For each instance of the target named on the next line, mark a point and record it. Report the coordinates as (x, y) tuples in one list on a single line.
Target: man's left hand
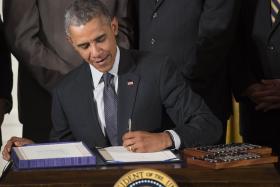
[(142, 142), (14, 141)]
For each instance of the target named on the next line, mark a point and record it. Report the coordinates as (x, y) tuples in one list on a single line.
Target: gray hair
[(81, 12)]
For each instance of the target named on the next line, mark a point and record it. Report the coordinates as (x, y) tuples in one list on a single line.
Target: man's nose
[(95, 50)]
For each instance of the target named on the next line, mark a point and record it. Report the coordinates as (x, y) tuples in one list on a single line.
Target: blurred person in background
[(198, 36), (6, 78), (257, 72)]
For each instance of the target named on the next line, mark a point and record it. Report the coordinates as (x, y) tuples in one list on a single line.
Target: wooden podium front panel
[(253, 176)]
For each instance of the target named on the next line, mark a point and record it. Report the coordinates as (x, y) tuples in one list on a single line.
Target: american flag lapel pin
[(130, 83)]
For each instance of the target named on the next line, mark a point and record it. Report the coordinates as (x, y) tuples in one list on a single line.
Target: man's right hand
[(14, 141), (145, 142)]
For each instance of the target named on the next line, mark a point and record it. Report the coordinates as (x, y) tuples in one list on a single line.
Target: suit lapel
[(259, 15), (127, 91), (158, 3), (264, 7), (85, 91), (276, 23)]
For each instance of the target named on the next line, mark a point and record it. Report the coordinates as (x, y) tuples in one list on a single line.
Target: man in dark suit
[(143, 89), (35, 33), (257, 73), (6, 78), (197, 35)]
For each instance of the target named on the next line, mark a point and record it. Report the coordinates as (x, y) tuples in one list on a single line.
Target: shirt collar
[(96, 75)]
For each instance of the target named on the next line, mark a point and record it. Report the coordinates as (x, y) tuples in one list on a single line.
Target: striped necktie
[(275, 6), (110, 108)]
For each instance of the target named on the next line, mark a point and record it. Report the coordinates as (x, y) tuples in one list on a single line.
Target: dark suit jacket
[(197, 35), (35, 33), (259, 57), (6, 75), (157, 85)]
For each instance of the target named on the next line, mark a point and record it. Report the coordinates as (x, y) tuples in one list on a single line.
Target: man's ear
[(115, 26)]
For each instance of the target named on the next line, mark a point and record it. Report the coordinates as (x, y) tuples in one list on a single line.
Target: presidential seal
[(145, 177)]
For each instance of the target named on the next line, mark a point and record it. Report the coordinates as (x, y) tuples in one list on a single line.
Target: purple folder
[(52, 155)]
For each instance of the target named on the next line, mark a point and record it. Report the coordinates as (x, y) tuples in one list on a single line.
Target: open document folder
[(117, 154), (52, 155)]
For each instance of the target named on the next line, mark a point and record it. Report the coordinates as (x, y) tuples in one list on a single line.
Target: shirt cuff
[(176, 138)]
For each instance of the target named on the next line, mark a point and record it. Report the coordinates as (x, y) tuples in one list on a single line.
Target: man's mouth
[(102, 60)]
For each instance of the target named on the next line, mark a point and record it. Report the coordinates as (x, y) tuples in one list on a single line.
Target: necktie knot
[(107, 78)]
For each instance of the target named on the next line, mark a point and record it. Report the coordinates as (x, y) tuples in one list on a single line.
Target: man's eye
[(100, 39), (84, 46)]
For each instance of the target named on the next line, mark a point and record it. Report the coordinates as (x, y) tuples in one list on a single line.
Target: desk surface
[(254, 176)]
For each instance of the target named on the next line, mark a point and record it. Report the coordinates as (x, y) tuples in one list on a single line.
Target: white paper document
[(47, 151), (121, 154)]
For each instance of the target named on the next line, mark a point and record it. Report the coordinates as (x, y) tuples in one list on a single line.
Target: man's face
[(95, 42)]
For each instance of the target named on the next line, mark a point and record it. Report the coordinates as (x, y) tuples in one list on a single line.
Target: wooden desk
[(256, 176)]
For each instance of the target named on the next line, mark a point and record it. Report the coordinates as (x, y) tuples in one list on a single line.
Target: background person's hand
[(268, 98), (252, 91)]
